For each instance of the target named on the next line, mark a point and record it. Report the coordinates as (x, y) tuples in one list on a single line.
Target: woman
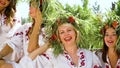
[(9, 24), (65, 51), (29, 34), (110, 53)]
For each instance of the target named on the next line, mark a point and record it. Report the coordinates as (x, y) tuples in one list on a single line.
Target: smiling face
[(110, 37), (67, 34), (4, 4)]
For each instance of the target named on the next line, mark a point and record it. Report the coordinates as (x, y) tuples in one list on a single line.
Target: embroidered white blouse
[(6, 34), (106, 65), (87, 59), (47, 60)]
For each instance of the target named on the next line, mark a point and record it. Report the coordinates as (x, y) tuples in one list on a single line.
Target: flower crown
[(113, 24), (53, 38)]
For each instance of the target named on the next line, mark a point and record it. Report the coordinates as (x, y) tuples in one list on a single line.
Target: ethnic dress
[(6, 36)]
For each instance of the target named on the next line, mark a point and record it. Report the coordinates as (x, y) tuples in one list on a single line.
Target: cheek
[(32, 10), (74, 35), (32, 13), (115, 38), (7, 3), (105, 39)]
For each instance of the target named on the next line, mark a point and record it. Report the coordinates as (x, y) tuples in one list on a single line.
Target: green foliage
[(23, 0), (117, 9), (89, 23), (96, 8)]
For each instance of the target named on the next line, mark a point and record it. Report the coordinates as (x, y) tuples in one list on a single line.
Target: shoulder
[(86, 51), (26, 26), (17, 19), (98, 52)]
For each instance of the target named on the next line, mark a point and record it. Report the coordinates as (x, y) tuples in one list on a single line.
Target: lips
[(2, 3), (67, 38), (110, 42)]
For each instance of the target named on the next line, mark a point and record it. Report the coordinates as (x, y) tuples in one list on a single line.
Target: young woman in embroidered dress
[(110, 53), (65, 51), (9, 23)]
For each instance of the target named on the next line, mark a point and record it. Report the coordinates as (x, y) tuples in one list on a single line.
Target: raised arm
[(34, 37)]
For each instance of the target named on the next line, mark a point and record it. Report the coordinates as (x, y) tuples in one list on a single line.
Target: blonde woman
[(65, 51)]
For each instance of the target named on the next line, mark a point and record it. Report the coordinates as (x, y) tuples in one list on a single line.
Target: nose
[(66, 33), (110, 36)]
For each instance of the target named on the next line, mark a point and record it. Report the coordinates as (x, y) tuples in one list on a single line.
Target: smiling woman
[(110, 53)]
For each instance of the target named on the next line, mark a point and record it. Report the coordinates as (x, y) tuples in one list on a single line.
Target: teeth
[(110, 42), (67, 38)]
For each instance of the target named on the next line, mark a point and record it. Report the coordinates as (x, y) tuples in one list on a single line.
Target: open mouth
[(67, 38)]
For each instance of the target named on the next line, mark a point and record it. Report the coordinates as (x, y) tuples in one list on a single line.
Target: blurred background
[(91, 14)]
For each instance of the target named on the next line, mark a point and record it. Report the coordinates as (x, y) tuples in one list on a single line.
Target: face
[(4, 4), (67, 34), (33, 10), (110, 37)]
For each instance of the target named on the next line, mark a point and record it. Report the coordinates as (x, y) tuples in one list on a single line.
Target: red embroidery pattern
[(106, 66), (117, 65), (82, 58), (69, 58), (46, 55), (96, 66)]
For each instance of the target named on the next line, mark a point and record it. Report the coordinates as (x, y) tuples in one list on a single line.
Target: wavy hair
[(10, 11)]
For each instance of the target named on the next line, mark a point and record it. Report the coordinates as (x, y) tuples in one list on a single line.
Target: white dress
[(47, 60), (23, 37), (106, 65), (6, 37)]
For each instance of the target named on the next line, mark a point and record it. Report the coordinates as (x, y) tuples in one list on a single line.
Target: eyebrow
[(108, 32)]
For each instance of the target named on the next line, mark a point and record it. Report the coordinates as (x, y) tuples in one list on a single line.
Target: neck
[(112, 51), (71, 48)]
